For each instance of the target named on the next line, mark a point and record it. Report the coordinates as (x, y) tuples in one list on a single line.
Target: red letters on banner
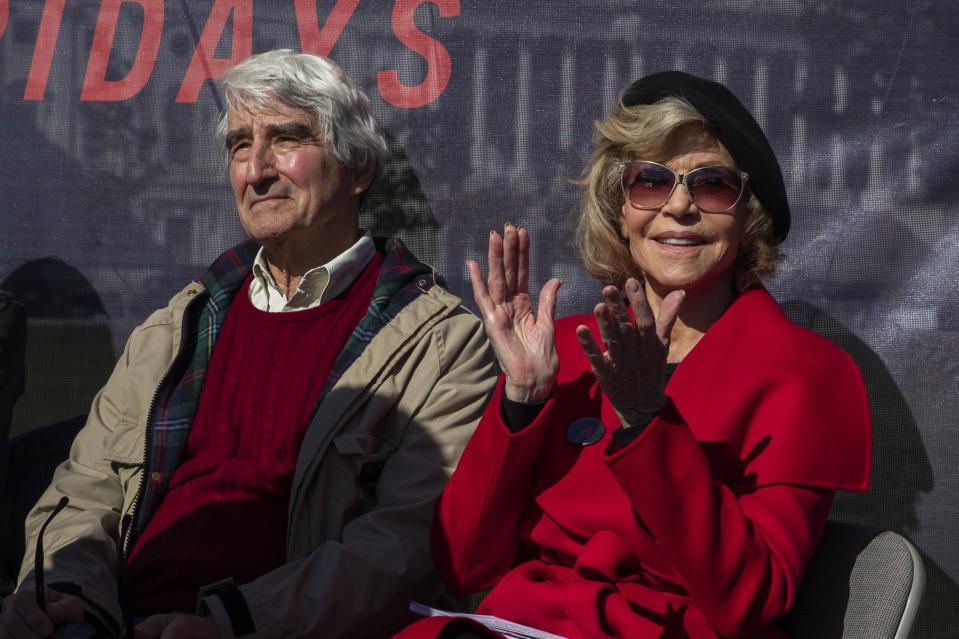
[(321, 42), (437, 57), (4, 14), (204, 66), (95, 85), (43, 53)]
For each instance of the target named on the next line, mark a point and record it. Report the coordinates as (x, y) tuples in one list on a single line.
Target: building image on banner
[(111, 173)]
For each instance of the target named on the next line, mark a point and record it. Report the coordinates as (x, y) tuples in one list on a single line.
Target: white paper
[(502, 626)]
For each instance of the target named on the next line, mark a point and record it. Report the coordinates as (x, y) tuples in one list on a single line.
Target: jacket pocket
[(124, 452), (361, 461)]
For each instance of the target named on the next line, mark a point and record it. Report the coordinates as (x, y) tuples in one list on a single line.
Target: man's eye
[(239, 148)]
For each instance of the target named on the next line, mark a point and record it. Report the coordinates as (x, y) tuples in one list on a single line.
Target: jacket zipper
[(128, 539)]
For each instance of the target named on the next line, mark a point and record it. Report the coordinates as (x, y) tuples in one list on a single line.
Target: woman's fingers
[(668, 312), (594, 353), (645, 320), (609, 330), (480, 292), (511, 257), (521, 336), (627, 342), (617, 309), (508, 263), (497, 273), (617, 328), (507, 288), (547, 302), (522, 267), (630, 369)]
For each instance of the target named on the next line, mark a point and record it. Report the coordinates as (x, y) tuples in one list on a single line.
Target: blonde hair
[(648, 131)]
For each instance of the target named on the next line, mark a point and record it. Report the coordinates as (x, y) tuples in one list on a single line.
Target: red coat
[(701, 527)]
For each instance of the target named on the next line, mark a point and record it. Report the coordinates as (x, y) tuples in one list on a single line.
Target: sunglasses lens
[(646, 184), (715, 188)]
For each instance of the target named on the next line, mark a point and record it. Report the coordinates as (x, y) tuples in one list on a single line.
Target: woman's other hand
[(522, 338), (631, 370)]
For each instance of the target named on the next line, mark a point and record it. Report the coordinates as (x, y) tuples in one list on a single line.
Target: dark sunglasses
[(714, 189)]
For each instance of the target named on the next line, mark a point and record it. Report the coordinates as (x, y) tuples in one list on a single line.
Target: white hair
[(316, 85)]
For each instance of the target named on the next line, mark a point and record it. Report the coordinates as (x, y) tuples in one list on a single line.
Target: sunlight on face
[(679, 246)]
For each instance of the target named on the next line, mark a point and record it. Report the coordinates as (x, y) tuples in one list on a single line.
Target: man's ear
[(363, 178)]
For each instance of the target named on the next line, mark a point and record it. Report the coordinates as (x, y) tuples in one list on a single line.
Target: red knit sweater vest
[(226, 512)]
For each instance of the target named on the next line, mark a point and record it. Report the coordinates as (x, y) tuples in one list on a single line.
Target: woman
[(665, 467)]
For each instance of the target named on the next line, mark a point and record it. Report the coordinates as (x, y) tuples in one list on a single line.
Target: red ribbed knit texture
[(226, 512)]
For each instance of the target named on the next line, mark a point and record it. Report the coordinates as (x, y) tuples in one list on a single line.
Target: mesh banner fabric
[(113, 193)]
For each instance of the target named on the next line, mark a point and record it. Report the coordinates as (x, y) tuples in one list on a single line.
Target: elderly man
[(263, 461)]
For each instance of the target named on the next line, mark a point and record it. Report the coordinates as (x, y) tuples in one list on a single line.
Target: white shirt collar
[(318, 285)]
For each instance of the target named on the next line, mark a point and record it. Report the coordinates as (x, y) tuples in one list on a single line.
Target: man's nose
[(261, 164)]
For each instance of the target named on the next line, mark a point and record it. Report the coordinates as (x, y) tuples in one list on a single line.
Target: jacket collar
[(401, 280)]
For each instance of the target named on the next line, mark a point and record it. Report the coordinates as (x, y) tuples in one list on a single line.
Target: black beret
[(738, 131)]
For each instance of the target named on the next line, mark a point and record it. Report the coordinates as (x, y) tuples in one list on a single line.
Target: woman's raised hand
[(631, 370), (522, 338)]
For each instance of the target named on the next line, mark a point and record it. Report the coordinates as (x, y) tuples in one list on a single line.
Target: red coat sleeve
[(740, 557), (476, 533)]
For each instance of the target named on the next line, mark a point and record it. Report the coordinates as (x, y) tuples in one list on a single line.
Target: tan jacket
[(357, 552)]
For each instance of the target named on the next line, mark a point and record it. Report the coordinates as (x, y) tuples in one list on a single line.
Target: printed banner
[(114, 194)]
